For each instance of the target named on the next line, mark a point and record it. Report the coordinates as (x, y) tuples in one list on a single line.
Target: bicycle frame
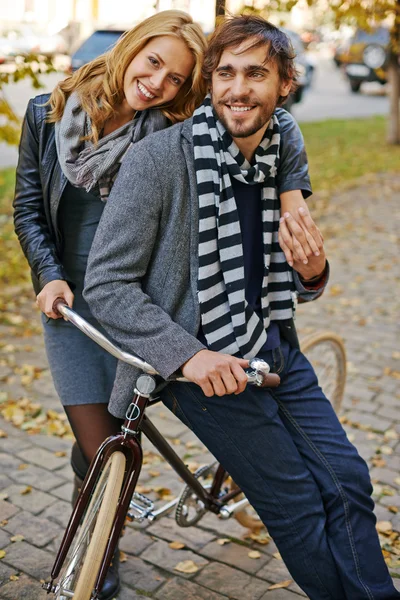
[(128, 442)]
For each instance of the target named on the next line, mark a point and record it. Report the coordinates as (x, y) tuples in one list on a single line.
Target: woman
[(71, 148)]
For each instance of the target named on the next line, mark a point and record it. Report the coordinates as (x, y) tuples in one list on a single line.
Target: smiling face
[(157, 73), (245, 90)]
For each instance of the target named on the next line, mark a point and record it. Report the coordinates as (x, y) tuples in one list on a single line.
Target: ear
[(285, 86)]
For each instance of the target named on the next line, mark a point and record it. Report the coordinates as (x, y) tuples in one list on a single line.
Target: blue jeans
[(289, 454)]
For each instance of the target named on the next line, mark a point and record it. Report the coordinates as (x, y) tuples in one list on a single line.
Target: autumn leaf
[(262, 537), (384, 526), (254, 554), (122, 556), (393, 509), (14, 577), (3, 434), (26, 491), (223, 541), (282, 584), (277, 555), (176, 545), (154, 473), (17, 538), (186, 566), (2, 554), (22, 467), (60, 453)]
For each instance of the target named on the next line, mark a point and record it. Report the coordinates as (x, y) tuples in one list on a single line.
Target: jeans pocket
[(171, 401), (278, 360)]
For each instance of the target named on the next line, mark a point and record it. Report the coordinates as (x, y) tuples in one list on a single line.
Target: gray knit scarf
[(95, 167), (228, 322)]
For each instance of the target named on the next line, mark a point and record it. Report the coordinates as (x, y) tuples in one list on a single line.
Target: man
[(186, 270)]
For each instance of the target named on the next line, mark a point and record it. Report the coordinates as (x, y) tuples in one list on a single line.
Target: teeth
[(144, 91), (240, 108)]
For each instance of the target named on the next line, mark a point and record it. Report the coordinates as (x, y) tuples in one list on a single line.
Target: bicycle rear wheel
[(83, 562), (327, 354)]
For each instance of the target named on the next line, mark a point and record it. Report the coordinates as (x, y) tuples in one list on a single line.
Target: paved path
[(361, 304)]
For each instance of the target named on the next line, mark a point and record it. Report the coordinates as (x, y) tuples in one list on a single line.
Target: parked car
[(367, 57), (99, 42), (304, 66)]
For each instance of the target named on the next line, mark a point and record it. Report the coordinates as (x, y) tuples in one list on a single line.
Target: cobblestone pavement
[(361, 304)]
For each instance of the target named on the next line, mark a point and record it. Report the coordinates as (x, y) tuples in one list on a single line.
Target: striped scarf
[(228, 322)]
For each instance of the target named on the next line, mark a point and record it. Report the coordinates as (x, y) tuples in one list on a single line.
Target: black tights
[(91, 425)]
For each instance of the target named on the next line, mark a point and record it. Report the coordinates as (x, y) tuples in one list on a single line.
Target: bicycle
[(108, 495)]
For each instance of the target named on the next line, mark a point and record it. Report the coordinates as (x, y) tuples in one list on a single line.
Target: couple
[(194, 268)]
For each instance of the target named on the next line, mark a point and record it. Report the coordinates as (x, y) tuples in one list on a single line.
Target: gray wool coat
[(141, 280)]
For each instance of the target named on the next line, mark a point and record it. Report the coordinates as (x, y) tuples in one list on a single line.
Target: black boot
[(112, 583)]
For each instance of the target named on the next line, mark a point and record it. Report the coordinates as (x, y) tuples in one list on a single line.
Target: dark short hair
[(234, 30)]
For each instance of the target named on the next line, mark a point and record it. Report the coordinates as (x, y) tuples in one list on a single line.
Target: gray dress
[(83, 373)]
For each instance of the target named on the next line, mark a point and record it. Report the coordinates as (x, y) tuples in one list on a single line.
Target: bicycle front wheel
[(83, 562), (327, 354)]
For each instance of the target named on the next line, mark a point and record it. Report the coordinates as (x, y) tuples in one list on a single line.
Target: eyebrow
[(247, 69), (161, 61)]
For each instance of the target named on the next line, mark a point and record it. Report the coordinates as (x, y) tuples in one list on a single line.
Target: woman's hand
[(51, 291)]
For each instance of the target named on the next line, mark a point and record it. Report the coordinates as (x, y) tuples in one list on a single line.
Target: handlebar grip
[(58, 301), (271, 380)]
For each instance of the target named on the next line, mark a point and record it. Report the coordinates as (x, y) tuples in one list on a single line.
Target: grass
[(340, 152)]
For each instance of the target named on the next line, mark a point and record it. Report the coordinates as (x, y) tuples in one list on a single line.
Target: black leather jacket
[(38, 190)]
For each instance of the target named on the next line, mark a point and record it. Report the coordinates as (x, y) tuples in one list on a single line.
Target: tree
[(32, 67)]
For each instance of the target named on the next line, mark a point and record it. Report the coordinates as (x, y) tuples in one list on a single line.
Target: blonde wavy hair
[(100, 83)]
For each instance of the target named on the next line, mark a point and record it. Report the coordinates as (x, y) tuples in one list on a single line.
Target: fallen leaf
[(14, 577), (397, 480), (2, 554), (254, 554), (176, 545), (4, 523), (277, 555), (186, 566), (153, 473), (386, 450), (60, 453), (3, 434), (384, 526), (282, 584), (393, 509), (122, 556), (27, 490), (22, 467), (261, 537), (223, 541), (17, 538)]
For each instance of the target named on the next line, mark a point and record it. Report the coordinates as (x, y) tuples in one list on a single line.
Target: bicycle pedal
[(139, 508)]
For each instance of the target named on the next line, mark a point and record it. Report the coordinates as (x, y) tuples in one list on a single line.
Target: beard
[(238, 127)]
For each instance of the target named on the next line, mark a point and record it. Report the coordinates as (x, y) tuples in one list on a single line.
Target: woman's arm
[(30, 219)]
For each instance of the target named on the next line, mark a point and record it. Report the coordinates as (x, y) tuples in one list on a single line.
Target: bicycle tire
[(92, 538), (327, 354)]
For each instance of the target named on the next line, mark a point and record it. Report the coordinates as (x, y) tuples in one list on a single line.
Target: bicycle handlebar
[(260, 375)]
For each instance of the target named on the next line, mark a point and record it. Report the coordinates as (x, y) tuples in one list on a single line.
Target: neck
[(123, 114), (248, 145)]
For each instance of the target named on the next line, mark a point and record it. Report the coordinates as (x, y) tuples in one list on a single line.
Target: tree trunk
[(219, 8), (393, 134)]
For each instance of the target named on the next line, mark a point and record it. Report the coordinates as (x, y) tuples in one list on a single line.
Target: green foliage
[(340, 152), (30, 66)]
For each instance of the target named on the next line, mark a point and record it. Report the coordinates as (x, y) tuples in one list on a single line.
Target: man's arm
[(118, 262)]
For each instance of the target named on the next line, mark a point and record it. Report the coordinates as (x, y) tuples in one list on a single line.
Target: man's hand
[(299, 241), (51, 291), (305, 246), (217, 374)]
